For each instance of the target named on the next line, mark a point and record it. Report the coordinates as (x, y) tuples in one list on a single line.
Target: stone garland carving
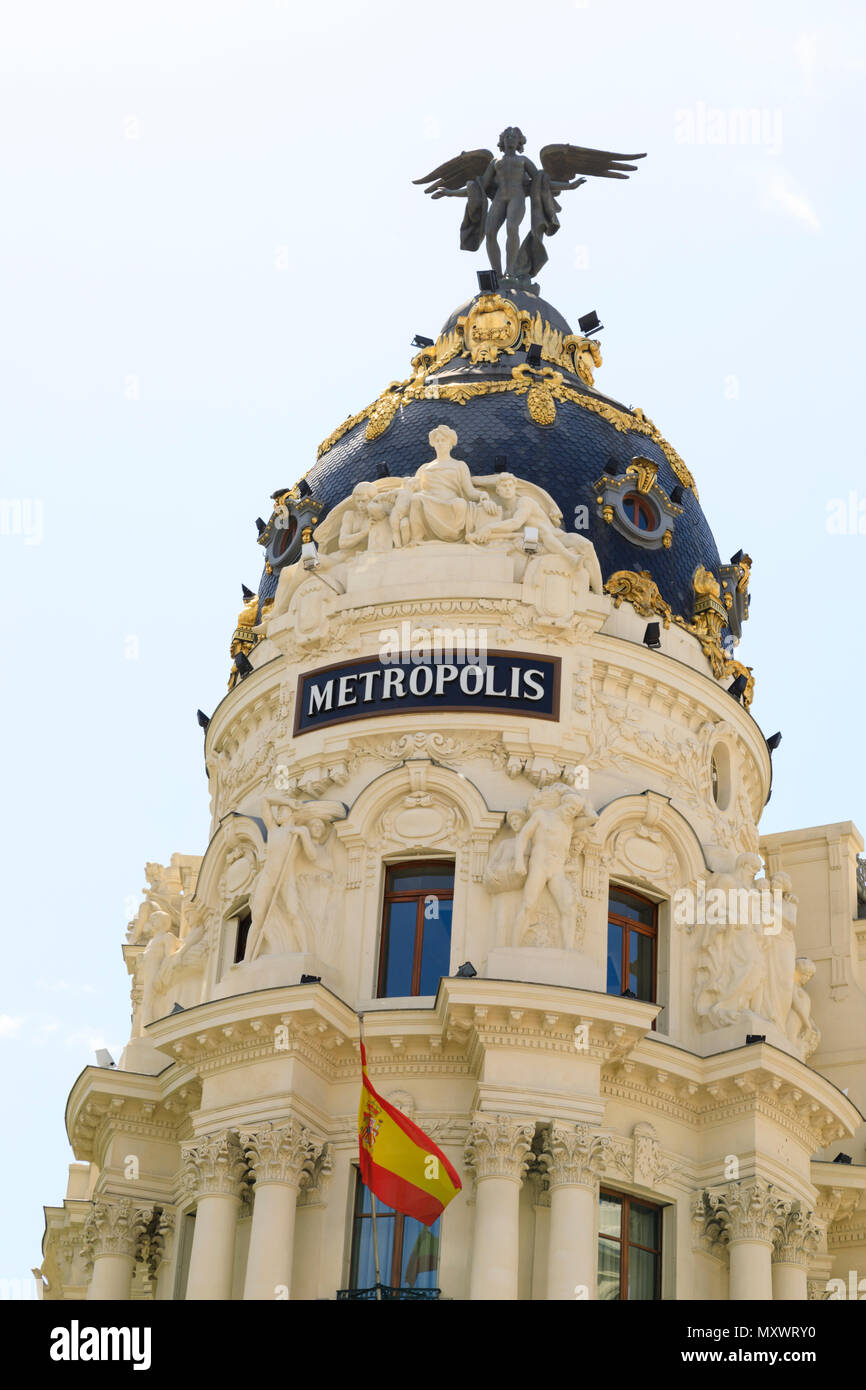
[(294, 899), (213, 1166), (282, 1153), (748, 964), (498, 1146), (573, 1156), (539, 856)]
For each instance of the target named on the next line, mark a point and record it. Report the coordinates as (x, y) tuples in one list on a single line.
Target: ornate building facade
[(486, 772)]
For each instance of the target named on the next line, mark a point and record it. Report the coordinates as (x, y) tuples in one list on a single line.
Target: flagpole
[(372, 1197)]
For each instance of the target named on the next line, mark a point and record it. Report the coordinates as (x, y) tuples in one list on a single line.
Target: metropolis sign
[(503, 683)]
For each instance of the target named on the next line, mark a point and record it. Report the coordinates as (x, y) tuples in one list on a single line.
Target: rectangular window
[(416, 928), (632, 942), (408, 1251), (629, 1247)]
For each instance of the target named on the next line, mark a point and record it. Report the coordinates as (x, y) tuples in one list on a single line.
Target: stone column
[(497, 1151), (111, 1234), (797, 1238), (750, 1213), (278, 1157), (573, 1157), (214, 1170)]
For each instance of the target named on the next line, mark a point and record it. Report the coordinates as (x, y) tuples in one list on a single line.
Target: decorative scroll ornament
[(797, 1237), (214, 1165), (112, 1227), (498, 1146), (641, 591), (573, 1157), (750, 1210), (282, 1153)]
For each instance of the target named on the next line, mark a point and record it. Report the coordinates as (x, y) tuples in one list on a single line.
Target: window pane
[(624, 904), (643, 1225), (363, 1259), (640, 968), (420, 1255), (421, 878), (608, 1269), (436, 953), (609, 1215), (642, 1274), (400, 945), (614, 958)]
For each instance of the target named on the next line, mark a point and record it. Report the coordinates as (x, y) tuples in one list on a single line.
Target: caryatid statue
[(497, 190)]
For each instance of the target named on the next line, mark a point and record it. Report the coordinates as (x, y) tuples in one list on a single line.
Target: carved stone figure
[(537, 856), (781, 951), (508, 182), (518, 512), (501, 875), (366, 525), (292, 906), (800, 1028), (150, 969), (732, 975), (443, 501)]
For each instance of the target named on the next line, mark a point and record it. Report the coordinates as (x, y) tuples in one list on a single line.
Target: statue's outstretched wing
[(565, 162), (454, 173)]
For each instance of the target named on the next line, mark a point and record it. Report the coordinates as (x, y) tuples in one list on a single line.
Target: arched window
[(416, 928), (639, 512), (632, 945), (629, 1247)]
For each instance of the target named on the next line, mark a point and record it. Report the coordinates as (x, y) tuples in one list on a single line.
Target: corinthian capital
[(281, 1153), (498, 1146), (214, 1165), (749, 1210), (112, 1227), (573, 1155), (798, 1236)]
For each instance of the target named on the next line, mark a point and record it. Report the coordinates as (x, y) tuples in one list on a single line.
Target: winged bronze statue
[(497, 190)]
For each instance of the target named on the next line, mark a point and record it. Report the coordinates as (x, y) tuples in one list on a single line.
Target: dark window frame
[(420, 896), (626, 1199), (244, 922), (395, 1250), (634, 506), (628, 924)]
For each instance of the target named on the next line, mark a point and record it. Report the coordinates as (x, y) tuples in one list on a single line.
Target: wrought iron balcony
[(388, 1292)]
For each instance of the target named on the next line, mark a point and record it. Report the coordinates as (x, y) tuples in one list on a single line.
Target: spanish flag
[(399, 1164)]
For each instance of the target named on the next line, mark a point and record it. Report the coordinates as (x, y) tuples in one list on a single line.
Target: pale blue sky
[(161, 375)]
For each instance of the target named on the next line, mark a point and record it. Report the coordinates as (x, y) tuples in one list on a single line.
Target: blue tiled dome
[(567, 457)]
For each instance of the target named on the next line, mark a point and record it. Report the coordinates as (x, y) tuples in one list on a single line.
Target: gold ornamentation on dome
[(243, 637), (607, 512), (644, 472), (400, 394), (640, 590), (668, 539), (493, 325), (540, 387), (383, 413)]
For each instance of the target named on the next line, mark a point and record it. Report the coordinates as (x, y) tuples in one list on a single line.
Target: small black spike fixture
[(203, 719)]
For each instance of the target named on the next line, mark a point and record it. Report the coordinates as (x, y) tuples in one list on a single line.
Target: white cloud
[(780, 195), (9, 1026)]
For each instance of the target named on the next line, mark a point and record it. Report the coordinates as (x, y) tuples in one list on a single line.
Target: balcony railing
[(388, 1292)]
